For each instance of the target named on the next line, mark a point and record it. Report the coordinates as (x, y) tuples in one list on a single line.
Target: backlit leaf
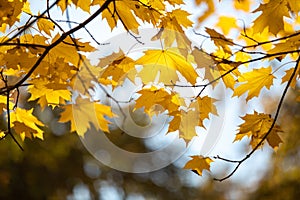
[(198, 163)]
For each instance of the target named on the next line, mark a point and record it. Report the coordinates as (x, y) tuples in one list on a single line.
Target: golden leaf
[(271, 16), (226, 24), (45, 25), (167, 62), (84, 113), (254, 81), (256, 127), (26, 124), (198, 164)]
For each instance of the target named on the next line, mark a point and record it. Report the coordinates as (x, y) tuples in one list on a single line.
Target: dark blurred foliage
[(61, 168)]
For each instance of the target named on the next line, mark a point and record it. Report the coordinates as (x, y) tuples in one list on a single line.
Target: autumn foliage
[(42, 57)]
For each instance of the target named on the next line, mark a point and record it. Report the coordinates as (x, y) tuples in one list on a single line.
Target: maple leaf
[(229, 79), (84, 113), (122, 11), (254, 81), (187, 121), (167, 62), (290, 44), (26, 124), (206, 106), (220, 40), (45, 25), (117, 67), (10, 13), (48, 93), (198, 164), (294, 5), (226, 24), (271, 16), (288, 75), (68, 51), (256, 127), (150, 97)]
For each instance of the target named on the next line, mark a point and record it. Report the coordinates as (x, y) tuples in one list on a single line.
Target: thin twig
[(270, 129)]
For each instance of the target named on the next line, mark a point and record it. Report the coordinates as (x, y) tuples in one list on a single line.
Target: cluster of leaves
[(43, 58)]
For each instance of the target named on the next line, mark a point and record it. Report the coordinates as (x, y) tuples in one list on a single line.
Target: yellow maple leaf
[(151, 97), (117, 66), (26, 124), (68, 51), (10, 13), (256, 126), (294, 5), (205, 106), (3, 105), (271, 16), (167, 62), (50, 93), (85, 113), (120, 11), (45, 25), (260, 37), (288, 74), (254, 81), (188, 122), (198, 164), (228, 79), (226, 23), (290, 44)]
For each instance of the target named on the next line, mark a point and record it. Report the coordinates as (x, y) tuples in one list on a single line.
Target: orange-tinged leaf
[(254, 81), (294, 5), (256, 126), (182, 17), (166, 62), (271, 16), (45, 25), (198, 164), (84, 113)]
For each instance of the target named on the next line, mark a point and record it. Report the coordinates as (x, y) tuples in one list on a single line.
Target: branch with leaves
[(45, 58)]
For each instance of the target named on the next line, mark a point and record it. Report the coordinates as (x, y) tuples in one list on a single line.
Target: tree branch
[(269, 131)]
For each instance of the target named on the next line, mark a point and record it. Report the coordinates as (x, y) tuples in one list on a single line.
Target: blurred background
[(61, 168)]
